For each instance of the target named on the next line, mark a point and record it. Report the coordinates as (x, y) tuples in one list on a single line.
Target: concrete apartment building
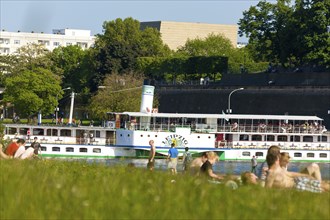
[(11, 41), (175, 34)]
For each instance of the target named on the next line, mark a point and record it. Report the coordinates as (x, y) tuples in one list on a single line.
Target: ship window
[(209, 137), (156, 135), (66, 133), (38, 131), (308, 139), (323, 155), (69, 149), (244, 137), (282, 138), (259, 154), (148, 135), (23, 131), (270, 138), (83, 150), (96, 150), (297, 154), (246, 153), (141, 135), (51, 132), (322, 139), (11, 130), (256, 138), (55, 149), (43, 148), (310, 154), (295, 138)]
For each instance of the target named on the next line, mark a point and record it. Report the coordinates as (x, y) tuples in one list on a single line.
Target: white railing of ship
[(228, 128)]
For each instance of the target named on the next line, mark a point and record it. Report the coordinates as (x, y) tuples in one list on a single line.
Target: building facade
[(11, 41), (175, 34)]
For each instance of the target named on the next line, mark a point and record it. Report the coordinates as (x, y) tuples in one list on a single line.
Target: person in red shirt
[(17, 150), (13, 147)]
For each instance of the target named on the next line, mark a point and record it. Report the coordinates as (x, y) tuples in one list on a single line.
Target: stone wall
[(251, 100)]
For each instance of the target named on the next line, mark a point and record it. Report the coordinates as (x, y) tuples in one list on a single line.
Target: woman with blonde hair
[(207, 167)]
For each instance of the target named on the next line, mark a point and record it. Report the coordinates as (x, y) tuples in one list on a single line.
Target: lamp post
[(229, 109), (57, 108)]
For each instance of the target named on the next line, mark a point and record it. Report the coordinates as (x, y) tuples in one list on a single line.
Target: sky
[(46, 15)]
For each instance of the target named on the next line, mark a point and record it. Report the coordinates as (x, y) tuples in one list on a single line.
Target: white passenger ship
[(232, 136)]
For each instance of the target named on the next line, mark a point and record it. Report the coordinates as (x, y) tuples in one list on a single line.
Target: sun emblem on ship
[(178, 140)]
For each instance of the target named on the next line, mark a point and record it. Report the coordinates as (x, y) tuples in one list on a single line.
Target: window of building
[(4, 50), (4, 40), (43, 42), (68, 44), (56, 44)]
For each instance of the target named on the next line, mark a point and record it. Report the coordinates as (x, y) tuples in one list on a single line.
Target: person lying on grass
[(280, 178)]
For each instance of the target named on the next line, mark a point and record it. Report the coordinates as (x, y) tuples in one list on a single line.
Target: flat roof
[(225, 116)]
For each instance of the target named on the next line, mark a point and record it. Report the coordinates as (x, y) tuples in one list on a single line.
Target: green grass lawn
[(51, 189)]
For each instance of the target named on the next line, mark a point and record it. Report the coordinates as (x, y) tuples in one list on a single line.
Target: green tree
[(122, 43), (33, 91), (118, 93), (30, 84), (75, 66), (293, 34)]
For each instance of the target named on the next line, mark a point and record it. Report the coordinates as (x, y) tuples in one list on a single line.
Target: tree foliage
[(118, 93), (292, 34), (30, 85), (32, 91), (122, 43)]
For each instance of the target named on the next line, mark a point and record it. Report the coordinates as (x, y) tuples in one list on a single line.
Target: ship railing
[(204, 128), (269, 129)]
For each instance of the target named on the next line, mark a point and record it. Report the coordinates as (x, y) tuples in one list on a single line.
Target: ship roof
[(225, 116)]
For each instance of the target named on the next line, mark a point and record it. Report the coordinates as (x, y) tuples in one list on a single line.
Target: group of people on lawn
[(17, 149), (273, 172)]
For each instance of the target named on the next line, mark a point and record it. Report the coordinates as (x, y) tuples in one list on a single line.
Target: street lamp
[(57, 108), (229, 109)]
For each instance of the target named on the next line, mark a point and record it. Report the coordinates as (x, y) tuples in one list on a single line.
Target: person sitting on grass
[(207, 167), (280, 178), (17, 150), (196, 163)]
